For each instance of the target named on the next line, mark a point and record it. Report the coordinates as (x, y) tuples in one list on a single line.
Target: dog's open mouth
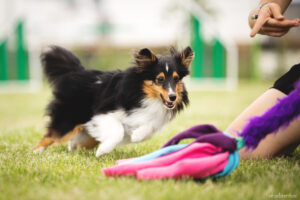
[(168, 104)]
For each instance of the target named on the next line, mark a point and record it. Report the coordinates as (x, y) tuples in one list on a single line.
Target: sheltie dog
[(112, 107)]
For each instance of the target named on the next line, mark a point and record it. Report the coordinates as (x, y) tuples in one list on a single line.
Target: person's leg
[(285, 140), (273, 144)]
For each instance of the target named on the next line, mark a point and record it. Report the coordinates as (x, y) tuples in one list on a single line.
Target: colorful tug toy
[(213, 153)]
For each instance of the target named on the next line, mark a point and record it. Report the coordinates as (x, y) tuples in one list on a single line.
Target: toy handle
[(193, 132)]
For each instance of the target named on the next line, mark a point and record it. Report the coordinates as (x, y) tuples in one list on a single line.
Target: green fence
[(210, 57), (14, 58), (3, 61)]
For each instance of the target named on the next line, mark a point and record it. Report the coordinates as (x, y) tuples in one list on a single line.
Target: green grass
[(59, 174)]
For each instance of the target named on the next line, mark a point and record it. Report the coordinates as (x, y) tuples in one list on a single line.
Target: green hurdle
[(210, 57), (14, 60), (218, 59), (22, 59), (197, 43), (3, 61)]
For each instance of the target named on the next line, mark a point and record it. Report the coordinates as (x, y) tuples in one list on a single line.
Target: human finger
[(283, 23), (261, 20), (276, 11)]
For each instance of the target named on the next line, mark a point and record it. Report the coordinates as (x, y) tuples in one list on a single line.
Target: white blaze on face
[(167, 67), (170, 90)]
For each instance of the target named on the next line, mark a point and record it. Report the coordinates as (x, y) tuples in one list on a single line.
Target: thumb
[(276, 11)]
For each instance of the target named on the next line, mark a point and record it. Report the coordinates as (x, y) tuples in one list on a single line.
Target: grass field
[(59, 174)]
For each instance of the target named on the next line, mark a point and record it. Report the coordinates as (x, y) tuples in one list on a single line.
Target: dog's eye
[(160, 79), (176, 78)]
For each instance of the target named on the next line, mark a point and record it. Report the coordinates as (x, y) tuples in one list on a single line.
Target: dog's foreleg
[(106, 129), (115, 133), (141, 133)]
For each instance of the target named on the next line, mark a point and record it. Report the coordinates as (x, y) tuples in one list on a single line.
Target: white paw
[(100, 152), (105, 148), (39, 150), (137, 137), (71, 147)]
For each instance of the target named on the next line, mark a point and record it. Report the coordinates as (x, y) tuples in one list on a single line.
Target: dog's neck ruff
[(152, 112)]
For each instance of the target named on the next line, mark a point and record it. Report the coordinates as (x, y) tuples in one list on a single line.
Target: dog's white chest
[(120, 127), (152, 114)]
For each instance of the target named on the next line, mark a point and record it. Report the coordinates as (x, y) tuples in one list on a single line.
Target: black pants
[(287, 82)]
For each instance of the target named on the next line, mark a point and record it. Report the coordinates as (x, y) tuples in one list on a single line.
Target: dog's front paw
[(135, 137), (99, 152), (105, 148)]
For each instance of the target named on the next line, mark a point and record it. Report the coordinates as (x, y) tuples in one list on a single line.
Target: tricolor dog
[(111, 108)]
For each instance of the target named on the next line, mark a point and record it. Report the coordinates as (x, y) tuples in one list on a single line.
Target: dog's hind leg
[(45, 142), (82, 139), (52, 136), (107, 129)]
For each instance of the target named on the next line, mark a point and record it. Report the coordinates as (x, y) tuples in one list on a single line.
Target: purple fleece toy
[(205, 133), (278, 116)]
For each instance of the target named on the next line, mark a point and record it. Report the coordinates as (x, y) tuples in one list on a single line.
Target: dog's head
[(162, 76)]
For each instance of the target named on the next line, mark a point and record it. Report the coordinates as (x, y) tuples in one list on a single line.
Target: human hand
[(270, 21)]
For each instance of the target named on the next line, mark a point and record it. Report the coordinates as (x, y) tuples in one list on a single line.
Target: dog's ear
[(144, 57), (174, 52), (187, 56)]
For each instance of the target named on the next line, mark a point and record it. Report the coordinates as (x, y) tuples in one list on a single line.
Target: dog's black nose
[(172, 97)]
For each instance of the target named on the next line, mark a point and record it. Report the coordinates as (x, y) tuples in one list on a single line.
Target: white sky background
[(232, 17), (151, 22), (137, 22)]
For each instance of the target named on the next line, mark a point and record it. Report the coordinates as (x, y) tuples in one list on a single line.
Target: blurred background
[(104, 33), (229, 72)]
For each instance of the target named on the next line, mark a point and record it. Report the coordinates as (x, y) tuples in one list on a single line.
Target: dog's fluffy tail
[(58, 61)]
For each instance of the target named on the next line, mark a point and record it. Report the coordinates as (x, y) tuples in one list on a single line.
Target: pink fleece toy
[(196, 160), (198, 167)]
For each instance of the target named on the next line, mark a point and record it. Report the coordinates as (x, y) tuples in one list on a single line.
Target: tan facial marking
[(153, 90), (164, 93), (179, 90), (160, 75), (150, 89), (175, 74)]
